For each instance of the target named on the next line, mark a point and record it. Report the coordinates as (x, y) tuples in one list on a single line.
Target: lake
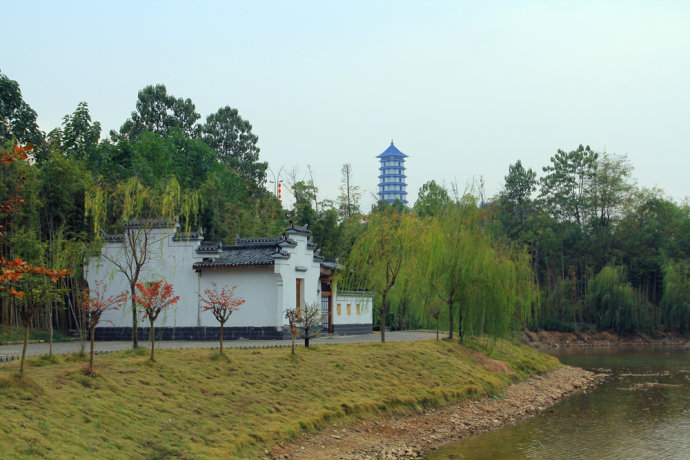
[(641, 411)]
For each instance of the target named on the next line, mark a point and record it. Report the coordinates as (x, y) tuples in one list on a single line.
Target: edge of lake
[(412, 436)]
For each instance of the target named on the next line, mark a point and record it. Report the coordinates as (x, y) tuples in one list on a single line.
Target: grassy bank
[(196, 404)]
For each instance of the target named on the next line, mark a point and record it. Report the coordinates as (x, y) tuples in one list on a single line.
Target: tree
[(348, 201), (610, 187), (17, 118), (380, 255), (24, 283), (153, 299), (159, 113), (433, 309), (432, 200), (294, 317), (94, 303), (520, 183), (30, 286), (78, 139), (675, 303), (305, 194), (565, 186), (310, 324), (221, 304), (231, 137), (136, 204), (444, 261)]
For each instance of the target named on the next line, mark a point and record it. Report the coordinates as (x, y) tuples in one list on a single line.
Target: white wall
[(365, 302), (257, 285), (300, 257), (169, 260), (268, 290)]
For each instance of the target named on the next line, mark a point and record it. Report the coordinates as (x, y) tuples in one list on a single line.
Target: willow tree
[(381, 257), (489, 287), (445, 259), (137, 211)]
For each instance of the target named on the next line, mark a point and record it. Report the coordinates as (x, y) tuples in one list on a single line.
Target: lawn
[(198, 404)]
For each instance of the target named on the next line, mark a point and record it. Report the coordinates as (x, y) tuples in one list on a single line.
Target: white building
[(271, 274)]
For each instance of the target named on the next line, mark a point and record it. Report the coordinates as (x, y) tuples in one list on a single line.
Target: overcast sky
[(465, 88)]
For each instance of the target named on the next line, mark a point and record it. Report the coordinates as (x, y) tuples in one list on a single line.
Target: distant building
[(392, 184)]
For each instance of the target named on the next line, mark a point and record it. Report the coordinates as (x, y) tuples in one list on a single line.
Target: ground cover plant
[(12, 335), (192, 403)]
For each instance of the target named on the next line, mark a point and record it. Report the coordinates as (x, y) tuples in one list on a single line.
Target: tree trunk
[(437, 328), (135, 336), (93, 328), (50, 329), (450, 319), (221, 338), (460, 334), (26, 344), (383, 317), (293, 342), (306, 342), (153, 340)]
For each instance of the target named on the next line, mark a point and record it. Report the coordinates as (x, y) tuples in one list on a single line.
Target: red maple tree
[(221, 303), (94, 303), (153, 299)]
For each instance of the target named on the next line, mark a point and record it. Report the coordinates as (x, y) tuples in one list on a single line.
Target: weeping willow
[(675, 303), (130, 199), (488, 289), (613, 304), (382, 259)]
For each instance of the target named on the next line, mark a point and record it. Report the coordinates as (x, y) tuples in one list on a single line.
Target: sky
[(464, 88)]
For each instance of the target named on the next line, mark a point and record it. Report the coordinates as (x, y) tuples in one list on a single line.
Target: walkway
[(12, 352)]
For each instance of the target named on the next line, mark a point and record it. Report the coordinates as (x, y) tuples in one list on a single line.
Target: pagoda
[(392, 175)]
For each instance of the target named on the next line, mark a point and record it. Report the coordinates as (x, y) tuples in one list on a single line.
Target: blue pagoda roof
[(392, 151)]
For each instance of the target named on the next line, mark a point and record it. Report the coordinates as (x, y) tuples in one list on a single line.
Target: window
[(358, 310), (337, 309), (349, 309)]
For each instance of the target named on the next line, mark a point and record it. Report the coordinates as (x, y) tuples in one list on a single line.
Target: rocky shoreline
[(391, 437), (548, 340)]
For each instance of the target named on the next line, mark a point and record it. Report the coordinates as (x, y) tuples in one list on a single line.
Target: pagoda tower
[(392, 175)]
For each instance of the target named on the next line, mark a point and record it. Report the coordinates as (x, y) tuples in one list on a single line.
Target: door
[(325, 313)]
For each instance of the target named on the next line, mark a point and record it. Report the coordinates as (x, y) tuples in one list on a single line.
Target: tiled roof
[(392, 151), (208, 247), (298, 229), (150, 223), (237, 257), (108, 238), (281, 240)]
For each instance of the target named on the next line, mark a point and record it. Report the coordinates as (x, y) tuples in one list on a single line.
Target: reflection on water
[(642, 411)]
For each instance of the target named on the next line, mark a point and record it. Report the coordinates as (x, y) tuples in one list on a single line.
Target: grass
[(9, 334), (197, 404)]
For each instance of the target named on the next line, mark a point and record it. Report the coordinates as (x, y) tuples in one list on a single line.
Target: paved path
[(11, 352)]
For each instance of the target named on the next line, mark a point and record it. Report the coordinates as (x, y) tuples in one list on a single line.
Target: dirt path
[(410, 436)]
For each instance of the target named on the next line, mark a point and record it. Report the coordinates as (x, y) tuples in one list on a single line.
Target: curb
[(11, 358)]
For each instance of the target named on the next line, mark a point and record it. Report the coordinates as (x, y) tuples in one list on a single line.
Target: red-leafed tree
[(29, 285), (221, 303), (153, 299), (94, 303)]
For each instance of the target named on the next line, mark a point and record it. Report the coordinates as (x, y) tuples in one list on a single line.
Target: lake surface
[(641, 411)]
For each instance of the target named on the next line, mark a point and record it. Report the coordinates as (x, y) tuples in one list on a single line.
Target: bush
[(552, 324)]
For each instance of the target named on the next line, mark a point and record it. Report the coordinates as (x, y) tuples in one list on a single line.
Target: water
[(642, 411)]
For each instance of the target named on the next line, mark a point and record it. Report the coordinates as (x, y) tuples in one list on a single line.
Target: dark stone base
[(212, 333), (193, 333), (352, 329)]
